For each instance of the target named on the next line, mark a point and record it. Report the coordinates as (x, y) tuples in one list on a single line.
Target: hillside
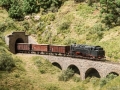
[(74, 22)]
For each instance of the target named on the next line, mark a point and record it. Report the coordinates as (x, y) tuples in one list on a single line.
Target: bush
[(66, 75), (3, 27), (52, 87), (63, 27), (104, 81), (44, 66), (76, 79), (6, 62)]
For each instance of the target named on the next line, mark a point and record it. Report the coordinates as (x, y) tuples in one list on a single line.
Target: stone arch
[(115, 73), (92, 72), (57, 65), (17, 37), (74, 68), (19, 40)]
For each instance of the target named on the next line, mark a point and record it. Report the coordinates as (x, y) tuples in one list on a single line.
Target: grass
[(28, 74), (72, 23)]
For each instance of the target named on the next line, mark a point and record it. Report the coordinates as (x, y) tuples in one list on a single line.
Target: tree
[(50, 4), (16, 10), (30, 6), (110, 11), (5, 4)]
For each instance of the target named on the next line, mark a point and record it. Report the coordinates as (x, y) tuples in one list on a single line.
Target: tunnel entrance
[(92, 73), (16, 37), (19, 40), (112, 75), (75, 69), (57, 65)]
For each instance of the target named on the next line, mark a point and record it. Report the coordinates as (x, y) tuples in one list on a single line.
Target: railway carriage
[(23, 48), (40, 48), (60, 49)]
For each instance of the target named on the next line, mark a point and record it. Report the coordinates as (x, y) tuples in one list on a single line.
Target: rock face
[(85, 67), (31, 40)]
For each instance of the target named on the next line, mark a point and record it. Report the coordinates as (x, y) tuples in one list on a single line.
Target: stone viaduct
[(85, 67)]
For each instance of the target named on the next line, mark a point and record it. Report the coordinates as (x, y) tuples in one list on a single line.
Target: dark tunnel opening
[(57, 65), (19, 40), (112, 74), (92, 73), (75, 69)]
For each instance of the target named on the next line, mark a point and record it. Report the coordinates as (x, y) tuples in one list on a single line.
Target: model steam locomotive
[(74, 50)]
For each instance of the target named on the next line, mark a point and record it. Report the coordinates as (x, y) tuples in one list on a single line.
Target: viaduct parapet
[(85, 67)]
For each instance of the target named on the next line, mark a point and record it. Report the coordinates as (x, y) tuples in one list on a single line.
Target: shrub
[(44, 66), (63, 27), (66, 75), (3, 27), (6, 62), (86, 80), (76, 79), (103, 82), (52, 87), (95, 81)]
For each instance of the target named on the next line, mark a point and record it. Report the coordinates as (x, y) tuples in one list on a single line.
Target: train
[(74, 50)]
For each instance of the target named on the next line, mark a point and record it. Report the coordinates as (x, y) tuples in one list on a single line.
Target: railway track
[(68, 57)]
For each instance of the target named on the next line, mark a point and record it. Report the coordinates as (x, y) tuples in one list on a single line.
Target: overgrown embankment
[(36, 73)]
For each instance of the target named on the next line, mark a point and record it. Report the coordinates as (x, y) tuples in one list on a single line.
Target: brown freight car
[(23, 48), (60, 49), (40, 48)]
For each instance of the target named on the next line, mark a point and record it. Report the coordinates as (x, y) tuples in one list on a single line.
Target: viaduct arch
[(86, 68)]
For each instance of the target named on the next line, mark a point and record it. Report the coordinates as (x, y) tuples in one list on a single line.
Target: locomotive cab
[(98, 52)]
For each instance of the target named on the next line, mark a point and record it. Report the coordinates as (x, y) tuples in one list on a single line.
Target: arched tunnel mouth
[(75, 69), (112, 75), (19, 40), (57, 65), (92, 73)]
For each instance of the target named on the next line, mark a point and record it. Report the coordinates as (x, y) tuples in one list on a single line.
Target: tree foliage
[(5, 4), (30, 6), (16, 11), (50, 4), (110, 11), (18, 8)]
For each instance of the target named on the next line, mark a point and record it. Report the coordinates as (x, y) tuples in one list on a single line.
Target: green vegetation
[(66, 75), (61, 22), (6, 62), (17, 9), (110, 12), (44, 66)]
